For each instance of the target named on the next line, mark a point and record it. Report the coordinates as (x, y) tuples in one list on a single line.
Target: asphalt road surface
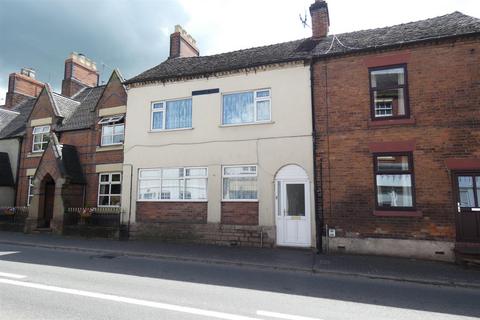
[(49, 284)]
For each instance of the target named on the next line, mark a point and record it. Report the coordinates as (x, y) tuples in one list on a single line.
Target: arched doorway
[(293, 212), (47, 200)]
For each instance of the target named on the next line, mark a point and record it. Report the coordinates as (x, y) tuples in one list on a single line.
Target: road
[(50, 284)]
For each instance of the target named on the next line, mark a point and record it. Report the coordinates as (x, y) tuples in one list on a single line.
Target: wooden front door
[(468, 206)]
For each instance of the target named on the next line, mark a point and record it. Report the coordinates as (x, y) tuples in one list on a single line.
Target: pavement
[(374, 267)]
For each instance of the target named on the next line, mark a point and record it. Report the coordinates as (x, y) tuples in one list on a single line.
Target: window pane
[(150, 189), (240, 188), (392, 163), (104, 177), (115, 201), (45, 138), (118, 138), (150, 174), (104, 189), (158, 105), (295, 199), (119, 129), (116, 189), (263, 110), (465, 188), (196, 189), (116, 177), (107, 130), (172, 189), (196, 172), (477, 181), (389, 103), (106, 140), (238, 108), (37, 138), (172, 173), (245, 170), (388, 78), (157, 122), (178, 114), (263, 94), (394, 190), (104, 201)]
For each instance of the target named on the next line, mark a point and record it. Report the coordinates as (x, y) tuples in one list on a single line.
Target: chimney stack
[(22, 86), (182, 44), (80, 72), (320, 19)]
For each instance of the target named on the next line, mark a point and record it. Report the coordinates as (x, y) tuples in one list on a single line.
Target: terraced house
[(69, 151), (218, 149)]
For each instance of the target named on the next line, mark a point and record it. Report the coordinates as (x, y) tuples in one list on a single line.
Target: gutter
[(17, 174)]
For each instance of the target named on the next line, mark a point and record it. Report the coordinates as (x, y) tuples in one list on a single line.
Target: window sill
[(168, 130), (173, 200), (240, 200), (391, 122), (246, 124), (109, 148), (397, 213), (34, 154)]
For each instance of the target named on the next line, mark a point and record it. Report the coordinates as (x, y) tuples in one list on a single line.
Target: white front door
[(293, 213)]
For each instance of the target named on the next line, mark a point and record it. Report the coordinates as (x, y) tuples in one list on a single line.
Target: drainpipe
[(318, 206), (17, 174), (131, 194)]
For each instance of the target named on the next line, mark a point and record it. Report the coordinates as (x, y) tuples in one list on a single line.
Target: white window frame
[(224, 176), (255, 102), (164, 117), (184, 178), (110, 182), (42, 133), (30, 190), (111, 122)]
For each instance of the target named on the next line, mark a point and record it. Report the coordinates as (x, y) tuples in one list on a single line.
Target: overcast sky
[(133, 35)]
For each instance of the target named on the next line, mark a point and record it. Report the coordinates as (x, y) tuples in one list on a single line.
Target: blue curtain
[(238, 108), (178, 114)]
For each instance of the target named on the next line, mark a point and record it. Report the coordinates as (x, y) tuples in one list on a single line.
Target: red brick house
[(71, 145), (397, 148)]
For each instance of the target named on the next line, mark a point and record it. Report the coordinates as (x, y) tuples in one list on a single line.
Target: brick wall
[(444, 93), (240, 213), (186, 212)]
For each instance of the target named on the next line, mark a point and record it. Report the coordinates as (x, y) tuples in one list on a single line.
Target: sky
[(133, 35)]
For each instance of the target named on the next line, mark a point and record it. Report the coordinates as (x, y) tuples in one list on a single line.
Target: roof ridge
[(404, 23)]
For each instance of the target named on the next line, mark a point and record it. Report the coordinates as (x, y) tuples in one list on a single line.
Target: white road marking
[(4, 253), (146, 303), (11, 275), (283, 316)]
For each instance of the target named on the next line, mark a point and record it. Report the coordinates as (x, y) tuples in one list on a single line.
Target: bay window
[(388, 92), (240, 183), (173, 184), (170, 115), (394, 181), (246, 107)]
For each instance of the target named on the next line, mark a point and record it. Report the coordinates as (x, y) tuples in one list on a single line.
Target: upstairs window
[(170, 115), (246, 107), (394, 181), (30, 190), (388, 91), (113, 130), (41, 136)]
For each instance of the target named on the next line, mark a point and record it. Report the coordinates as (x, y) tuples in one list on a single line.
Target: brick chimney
[(182, 44), (22, 86), (320, 19), (80, 72)]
